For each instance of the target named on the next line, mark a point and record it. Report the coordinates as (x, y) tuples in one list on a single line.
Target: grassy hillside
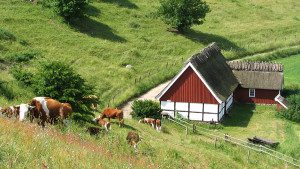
[(33, 147), (118, 32)]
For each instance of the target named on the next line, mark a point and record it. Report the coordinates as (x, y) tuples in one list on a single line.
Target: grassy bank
[(117, 33)]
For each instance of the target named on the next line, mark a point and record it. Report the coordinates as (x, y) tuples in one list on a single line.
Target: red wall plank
[(189, 88), (261, 96)]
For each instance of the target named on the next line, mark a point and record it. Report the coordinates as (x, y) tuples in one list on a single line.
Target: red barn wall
[(262, 96), (189, 88)]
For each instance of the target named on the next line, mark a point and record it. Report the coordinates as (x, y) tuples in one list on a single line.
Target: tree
[(70, 8), (59, 81), (293, 111), (182, 14)]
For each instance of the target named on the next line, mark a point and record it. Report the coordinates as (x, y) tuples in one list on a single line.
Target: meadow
[(116, 33)]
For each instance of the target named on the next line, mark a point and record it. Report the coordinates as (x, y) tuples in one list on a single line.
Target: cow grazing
[(103, 123), (158, 124), (133, 139), (23, 111), (47, 109), (150, 121), (11, 111), (112, 113)]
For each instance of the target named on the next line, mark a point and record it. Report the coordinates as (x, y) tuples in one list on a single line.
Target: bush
[(293, 111), (59, 81), (70, 8), (22, 57), (5, 35), (182, 14), (146, 108), (24, 77)]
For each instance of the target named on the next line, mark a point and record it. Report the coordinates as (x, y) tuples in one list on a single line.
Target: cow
[(133, 139), (158, 125), (23, 110), (155, 123), (102, 123), (150, 121), (48, 109), (11, 111), (114, 114)]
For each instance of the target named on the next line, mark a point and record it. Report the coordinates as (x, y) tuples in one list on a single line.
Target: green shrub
[(22, 57), (23, 76), (5, 35), (70, 8), (182, 14), (146, 108), (293, 111), (59, 81)]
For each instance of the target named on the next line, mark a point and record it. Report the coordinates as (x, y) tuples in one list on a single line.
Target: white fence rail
[(227, 138)]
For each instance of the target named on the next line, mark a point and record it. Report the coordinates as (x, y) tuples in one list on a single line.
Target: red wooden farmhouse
[(207, 86)]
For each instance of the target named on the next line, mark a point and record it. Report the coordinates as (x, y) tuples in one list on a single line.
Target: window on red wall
[(251, 92)]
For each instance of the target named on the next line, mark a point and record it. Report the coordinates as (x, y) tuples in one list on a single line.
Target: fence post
[(186, 130), (194, 128), (216, 139), (248, 156)]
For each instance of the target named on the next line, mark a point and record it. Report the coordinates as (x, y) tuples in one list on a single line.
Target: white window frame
[(250, 92)]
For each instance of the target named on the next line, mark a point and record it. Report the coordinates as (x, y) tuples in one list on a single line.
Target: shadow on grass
[(92, 11), (95, 29), (122, 3), (291, 90), (207, 38), (239, 116), (129, 127), (6, 91)]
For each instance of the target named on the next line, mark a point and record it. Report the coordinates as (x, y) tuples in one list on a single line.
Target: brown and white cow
[(155, 123), (47, 109), (149, 121), (11, 111), (112, 113), (103, 123)]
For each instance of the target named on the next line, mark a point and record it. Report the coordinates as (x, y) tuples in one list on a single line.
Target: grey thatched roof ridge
[(211, 64), (258, 75), (256, 66)]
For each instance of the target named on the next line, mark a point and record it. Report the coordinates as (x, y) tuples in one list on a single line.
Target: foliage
[(182, 14), (22, 57), (59, 81), (146, 108), (5, 35), (293, 111), (23, 76), (70, 8)]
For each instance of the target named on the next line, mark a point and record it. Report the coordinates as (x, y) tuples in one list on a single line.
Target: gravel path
[(150, 95)]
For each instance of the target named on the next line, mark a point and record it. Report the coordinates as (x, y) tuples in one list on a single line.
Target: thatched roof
[(258, 75), (211, 64)]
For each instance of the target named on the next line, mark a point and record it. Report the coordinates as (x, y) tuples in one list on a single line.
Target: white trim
[(179, 74), (276, 99), (250, 93)]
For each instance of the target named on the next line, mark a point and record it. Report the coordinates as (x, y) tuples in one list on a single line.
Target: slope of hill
[(116, 33)]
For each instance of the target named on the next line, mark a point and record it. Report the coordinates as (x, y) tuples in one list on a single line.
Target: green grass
[(291, 69), (33, 146), (116, 33)]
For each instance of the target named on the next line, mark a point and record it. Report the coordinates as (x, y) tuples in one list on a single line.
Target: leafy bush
[(182, 14), (293, 111), (22, 57), (5, 35), (59, 81), (146, 108), (70, 8), (23, 76)]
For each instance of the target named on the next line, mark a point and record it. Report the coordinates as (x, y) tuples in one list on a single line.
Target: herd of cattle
[(46, 109)]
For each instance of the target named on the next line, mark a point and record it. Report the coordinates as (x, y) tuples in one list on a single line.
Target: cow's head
[(96, 120)]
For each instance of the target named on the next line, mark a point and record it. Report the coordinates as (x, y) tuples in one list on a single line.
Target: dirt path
[(150, 95)]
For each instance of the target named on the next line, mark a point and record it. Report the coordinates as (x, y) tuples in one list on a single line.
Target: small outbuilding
[(207, 86)]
